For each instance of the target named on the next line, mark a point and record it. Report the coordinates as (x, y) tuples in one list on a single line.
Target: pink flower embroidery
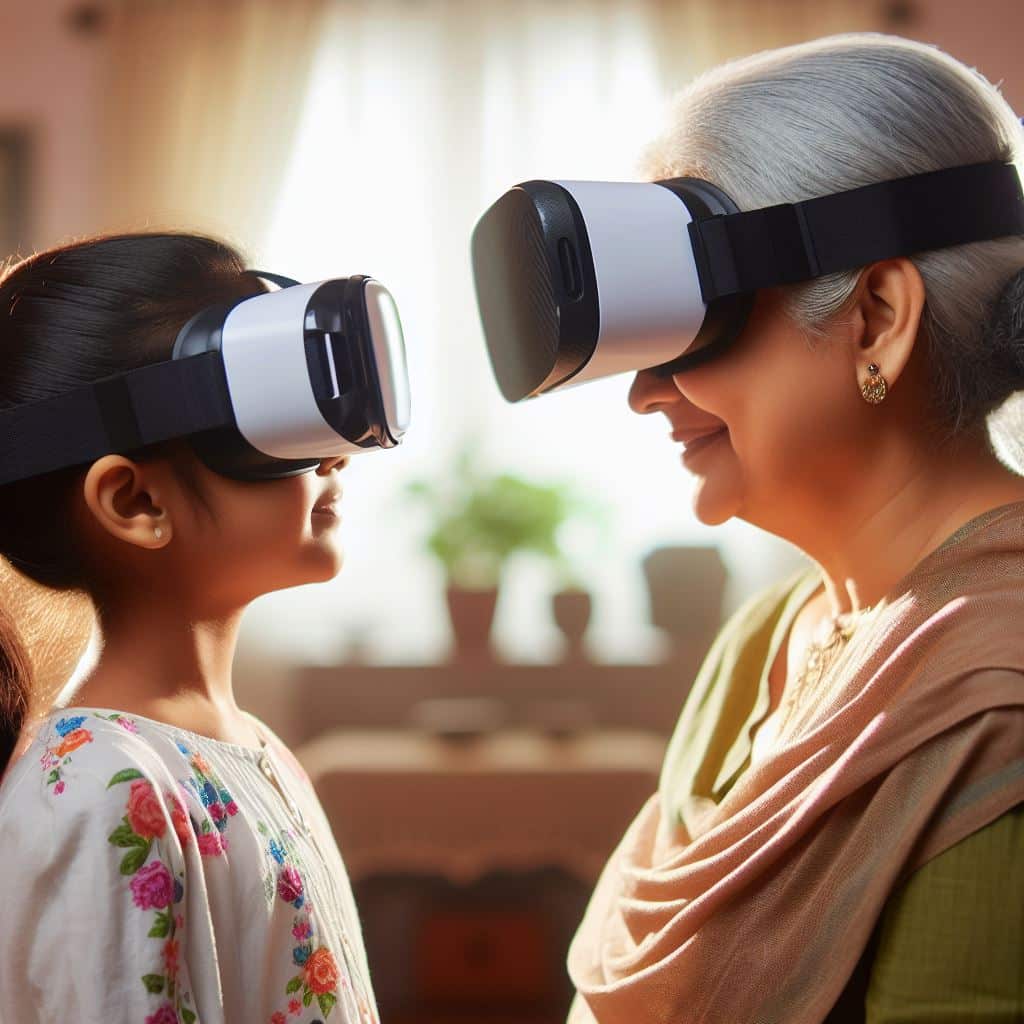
[(278, 1018), (216, 811), (289, 885), (152, 887), (302, 930), (232, 809), (210, 844), (59, 788), (165, 1015), (145, 814), (295, 1007), (128, 723)]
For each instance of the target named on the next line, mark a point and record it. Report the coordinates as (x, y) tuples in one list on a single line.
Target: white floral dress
[(151, 875)]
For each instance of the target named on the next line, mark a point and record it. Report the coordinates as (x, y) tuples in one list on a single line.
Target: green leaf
[(187, 1016), (153, 982), (134, 860), (53, 776), (308, 997), (294, 985), (326, 1001), (162, 927), (126, 775), (125, 835)]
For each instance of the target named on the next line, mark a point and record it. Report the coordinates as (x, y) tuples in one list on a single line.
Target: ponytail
[(15, 688)]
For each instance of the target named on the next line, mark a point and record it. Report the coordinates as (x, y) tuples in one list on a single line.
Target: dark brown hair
[(68, 316)]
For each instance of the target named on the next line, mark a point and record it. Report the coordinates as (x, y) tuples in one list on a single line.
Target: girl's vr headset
[(264, 387), (577, 280)]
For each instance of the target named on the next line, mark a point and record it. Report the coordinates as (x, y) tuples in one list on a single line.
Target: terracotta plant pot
[(572, 610), (472, 616)]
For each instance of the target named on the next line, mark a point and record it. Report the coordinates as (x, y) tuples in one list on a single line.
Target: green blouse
[(949, 945)]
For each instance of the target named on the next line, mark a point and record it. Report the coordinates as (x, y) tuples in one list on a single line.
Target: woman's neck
[(865, 545)]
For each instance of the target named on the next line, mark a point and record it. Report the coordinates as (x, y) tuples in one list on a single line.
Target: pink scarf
[(757, 908)]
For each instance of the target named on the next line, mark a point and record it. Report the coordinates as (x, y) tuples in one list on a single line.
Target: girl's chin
[(327, 561)]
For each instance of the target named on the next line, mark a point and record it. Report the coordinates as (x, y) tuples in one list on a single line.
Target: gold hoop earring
[(876, 387)]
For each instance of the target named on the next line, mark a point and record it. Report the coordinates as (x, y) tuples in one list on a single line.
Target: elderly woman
[(839, 833)]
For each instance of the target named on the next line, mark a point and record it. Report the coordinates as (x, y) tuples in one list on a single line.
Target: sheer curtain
[(419, 115), (202, 104)]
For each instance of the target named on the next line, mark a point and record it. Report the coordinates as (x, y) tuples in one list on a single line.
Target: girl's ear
[(124, 498)]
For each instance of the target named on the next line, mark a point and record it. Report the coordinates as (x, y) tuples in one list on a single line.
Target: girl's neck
[(154, 658)]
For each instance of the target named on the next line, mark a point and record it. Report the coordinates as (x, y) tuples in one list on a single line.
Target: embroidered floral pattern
[(318, 976), (72, 736), (153, 886), (56, 758), (215, 798)]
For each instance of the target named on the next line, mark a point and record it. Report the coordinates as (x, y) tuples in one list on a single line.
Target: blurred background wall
[(477, 778)]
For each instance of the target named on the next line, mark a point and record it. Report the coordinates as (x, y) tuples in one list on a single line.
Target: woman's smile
[(696, 442)]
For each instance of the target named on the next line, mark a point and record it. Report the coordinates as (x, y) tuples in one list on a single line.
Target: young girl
[(165, 858)]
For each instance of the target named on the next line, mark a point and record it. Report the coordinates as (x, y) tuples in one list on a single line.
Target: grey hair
[(850, 110)]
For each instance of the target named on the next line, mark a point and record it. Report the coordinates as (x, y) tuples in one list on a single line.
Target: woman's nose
[(650, 391)]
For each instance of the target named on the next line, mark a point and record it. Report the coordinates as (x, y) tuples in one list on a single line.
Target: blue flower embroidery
[(66, 725), (182, 747), (301, 954), (209, 794), (276, 852)]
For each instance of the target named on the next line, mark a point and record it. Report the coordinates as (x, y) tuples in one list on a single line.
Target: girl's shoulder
[(79, 768)]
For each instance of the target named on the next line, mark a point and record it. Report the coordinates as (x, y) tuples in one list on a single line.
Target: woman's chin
[(711, 506)]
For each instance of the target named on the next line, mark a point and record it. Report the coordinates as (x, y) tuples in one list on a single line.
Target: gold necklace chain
[(819, 656)]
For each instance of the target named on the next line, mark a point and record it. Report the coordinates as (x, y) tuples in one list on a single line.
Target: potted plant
[(479, 520)]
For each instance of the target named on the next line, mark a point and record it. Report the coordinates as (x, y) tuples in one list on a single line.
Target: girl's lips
[(327, 510)]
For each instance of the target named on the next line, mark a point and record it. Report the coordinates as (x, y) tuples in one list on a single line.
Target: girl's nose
[(334, 462)]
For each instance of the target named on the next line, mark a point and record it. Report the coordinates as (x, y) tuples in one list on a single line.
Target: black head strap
[(792, 242), (122, 413)]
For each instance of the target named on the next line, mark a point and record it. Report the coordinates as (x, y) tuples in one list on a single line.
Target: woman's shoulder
[(952, 933)]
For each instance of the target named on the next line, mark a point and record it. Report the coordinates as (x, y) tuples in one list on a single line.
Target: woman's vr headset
[(264, 387), (577, 280)]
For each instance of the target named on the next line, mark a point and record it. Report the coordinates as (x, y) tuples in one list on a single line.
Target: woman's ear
[(888, 309), (123, 497)]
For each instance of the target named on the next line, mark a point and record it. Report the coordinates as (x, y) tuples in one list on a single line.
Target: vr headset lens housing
[(580, 280), (263, 388)]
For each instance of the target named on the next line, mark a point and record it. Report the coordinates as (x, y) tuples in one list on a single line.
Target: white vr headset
[(264, 387), (577, 280)]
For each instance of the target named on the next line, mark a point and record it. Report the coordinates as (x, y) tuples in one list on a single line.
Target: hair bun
[(1005, 332)]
